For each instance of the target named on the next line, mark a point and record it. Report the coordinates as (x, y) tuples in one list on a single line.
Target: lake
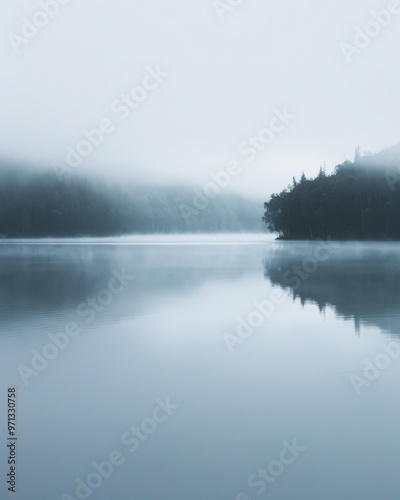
[(202, 367)]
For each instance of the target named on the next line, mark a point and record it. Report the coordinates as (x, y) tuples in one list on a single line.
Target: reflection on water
[(46, 283), (359, 280), (163, 336)]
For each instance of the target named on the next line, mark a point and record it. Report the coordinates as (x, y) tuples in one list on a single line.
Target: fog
[(213, 80)]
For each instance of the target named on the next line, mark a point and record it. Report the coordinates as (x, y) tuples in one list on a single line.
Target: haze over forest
[(37, 203), (221, 88), (359, 200)]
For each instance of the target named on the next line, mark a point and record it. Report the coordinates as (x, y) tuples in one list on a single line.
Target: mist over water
[(165, 335), (157, 342)]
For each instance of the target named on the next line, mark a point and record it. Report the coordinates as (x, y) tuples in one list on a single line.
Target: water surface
[(170, 332)]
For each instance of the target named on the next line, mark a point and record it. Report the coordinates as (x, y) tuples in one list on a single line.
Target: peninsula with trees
[(360, 200)]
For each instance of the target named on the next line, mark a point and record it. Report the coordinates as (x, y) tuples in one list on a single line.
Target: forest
[(35, 203), (360, 200)]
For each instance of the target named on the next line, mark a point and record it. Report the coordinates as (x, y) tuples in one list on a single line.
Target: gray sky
[(226, 79)]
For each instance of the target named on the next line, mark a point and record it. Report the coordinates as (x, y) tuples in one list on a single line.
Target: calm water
[(187, 328)]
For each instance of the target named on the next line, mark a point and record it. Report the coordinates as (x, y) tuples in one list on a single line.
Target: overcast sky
[(227, 78)]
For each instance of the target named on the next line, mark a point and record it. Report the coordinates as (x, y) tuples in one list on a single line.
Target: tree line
[(35, 203), (359, 200)]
